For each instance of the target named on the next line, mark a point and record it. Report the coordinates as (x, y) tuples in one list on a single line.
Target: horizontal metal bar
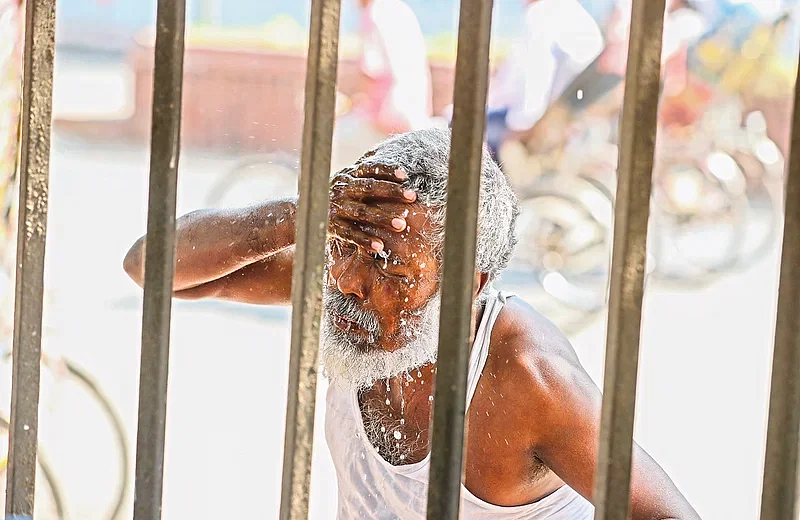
[(458, 275), (311, 226), (37, 98), (159, 258), (779, 494), (638, 133)]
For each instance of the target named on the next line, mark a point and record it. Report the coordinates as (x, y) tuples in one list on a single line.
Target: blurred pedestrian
[(395, 82)]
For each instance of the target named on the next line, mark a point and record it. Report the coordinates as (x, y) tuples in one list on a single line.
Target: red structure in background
[(242, 100)]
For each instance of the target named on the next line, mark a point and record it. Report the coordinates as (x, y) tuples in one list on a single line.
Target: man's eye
[(386, 265)]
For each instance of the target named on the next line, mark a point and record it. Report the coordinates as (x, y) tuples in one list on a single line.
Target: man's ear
[(481, 279)]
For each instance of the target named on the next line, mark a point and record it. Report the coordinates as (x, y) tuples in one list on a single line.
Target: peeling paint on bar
[(37, 97)]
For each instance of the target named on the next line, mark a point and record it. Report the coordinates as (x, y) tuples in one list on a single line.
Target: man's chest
[(497, 453)]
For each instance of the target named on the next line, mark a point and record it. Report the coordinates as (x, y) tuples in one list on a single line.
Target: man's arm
[(247, 254), (241, 254), (565, 433)]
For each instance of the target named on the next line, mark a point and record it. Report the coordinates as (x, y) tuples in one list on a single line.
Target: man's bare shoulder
[(532, 357), (525, 337)]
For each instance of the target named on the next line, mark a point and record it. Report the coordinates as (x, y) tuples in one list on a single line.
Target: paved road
[(703, 378)]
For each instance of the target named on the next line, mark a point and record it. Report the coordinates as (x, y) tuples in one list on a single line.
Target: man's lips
[(347, 325)]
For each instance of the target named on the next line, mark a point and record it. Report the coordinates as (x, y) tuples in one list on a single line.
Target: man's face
[(381, 311)]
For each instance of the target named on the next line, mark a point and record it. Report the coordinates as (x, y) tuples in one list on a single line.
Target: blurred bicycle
[(63, 379)]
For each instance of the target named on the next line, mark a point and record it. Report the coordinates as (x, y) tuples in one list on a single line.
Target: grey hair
[(423, 154)]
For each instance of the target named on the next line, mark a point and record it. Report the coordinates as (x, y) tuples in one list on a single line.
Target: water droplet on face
[(383, 429), (387, 401), (430, 398), (405, 300), (419, 373), (422, 265), (398, 435), (402, 421)]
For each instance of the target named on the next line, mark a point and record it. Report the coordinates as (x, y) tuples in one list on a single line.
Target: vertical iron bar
[(638, 133), (307, 280), (159, 259), (37, 97), (779, 494), (458, 275)]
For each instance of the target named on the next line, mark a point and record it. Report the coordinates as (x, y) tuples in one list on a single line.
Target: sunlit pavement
[(703, 376)]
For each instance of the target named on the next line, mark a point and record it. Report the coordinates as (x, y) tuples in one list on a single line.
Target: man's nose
[(352, 279)]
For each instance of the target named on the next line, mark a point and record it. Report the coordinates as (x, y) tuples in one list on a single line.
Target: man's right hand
[(246, 254), (356, 217)]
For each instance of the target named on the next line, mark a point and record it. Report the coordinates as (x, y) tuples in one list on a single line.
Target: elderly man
[(533, 412)]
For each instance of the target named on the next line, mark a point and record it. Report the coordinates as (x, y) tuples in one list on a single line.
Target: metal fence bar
[(638, 132), (309, 260), (37, 97), (779, 494), (159, 259), (458, 276)]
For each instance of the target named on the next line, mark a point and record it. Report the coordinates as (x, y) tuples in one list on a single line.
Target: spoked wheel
[(255, 178), (64, 380), (562, 257), (49, 499)]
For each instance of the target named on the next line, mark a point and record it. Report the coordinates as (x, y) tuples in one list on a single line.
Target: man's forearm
[(213, 243)]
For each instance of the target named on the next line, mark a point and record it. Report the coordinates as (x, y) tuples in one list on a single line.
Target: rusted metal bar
[(159, 258), (37, 98), (638, 132), (779, 494), (458, 275), (312, 219)]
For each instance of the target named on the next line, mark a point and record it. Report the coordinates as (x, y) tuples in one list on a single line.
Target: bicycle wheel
[(563, 256), (91, 386), (62, 368), (49, 501), (255, 178)]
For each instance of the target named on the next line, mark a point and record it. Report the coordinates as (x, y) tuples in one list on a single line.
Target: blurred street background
[(708, 320)]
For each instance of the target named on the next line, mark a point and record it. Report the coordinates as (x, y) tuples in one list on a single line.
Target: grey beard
[(347, 362)]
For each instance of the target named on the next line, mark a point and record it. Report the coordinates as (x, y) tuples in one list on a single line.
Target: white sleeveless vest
[(371, 488)]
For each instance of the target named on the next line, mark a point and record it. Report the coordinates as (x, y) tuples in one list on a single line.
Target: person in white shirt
[(395, 94), (605, 74), (560, 40)]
